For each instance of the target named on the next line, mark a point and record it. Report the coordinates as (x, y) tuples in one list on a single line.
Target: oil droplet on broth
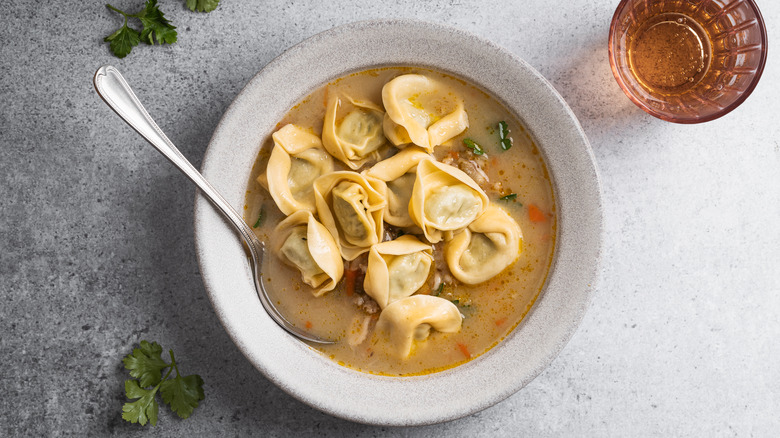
[(669, 53)]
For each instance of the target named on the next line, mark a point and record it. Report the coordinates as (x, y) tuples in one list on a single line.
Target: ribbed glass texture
[(738, 43)]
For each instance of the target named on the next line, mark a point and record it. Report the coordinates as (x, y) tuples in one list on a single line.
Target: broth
[(490, 310)]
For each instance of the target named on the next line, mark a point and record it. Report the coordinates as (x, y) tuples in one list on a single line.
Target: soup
[(410, 216)]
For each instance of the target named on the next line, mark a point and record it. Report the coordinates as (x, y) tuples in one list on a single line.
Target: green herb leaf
[(260, 217), (156, 29), (142, 410), (145, 363), (123, 40), (503, 134), (509, 197), (156, 26), (456, 302), (475, 148), (439, 289), (503, 130), (202, 5), (182, 394)]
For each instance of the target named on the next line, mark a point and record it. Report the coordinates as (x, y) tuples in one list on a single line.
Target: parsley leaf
[(475, 148), (439, 289), (509, 197), (142, 410), (503, 135), (156, 26), (123, 40), (202, 5), (146, 364), (260, 217), (183, 393)]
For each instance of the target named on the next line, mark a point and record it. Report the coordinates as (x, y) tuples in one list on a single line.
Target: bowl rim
[(546, 329), (689, 121)]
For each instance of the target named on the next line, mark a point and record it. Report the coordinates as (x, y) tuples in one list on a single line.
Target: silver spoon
[(115, 91)]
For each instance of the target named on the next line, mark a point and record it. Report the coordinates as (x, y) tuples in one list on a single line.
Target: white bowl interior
[(302, 371)]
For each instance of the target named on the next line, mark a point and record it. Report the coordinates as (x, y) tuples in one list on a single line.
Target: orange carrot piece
[(308, 324), (349, 282), (500, 321), (535, 214), (464, 349)]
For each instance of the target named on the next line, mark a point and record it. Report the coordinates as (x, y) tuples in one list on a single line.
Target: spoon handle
[(113, 88)]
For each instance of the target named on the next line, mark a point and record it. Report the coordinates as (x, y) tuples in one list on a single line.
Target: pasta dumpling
[(296, 160), (395, 133), (444, 199), (303, 243), (412, 318), (352, 131), (397, 269), (351, 206), (485, 248), (399, 172), (426, 109)]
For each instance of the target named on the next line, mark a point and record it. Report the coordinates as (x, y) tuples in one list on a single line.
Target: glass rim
[(684, 119)]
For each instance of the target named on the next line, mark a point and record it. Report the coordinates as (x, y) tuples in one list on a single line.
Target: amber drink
[(670, 53), (687, 61)]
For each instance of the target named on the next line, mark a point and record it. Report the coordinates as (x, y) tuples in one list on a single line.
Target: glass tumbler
[(687, 61)]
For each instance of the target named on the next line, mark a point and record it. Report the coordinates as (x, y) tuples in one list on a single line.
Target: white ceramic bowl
[(303, 372)]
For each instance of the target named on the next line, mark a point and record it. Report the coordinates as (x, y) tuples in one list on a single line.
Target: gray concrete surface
[(97, 249)]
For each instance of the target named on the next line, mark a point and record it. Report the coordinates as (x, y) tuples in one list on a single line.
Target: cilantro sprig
[(156, 28), (202, 5), (123, 40), (181, 393), (475, 148), (503, 135)]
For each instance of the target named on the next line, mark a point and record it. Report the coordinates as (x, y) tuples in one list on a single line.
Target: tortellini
[(351, 206), (485, 248), (389, 220), (397, 269), (395, 133), (352, 131), (297, 159), (303, 243), (430, 113), (412, 318), (399, 172), (444, 199)]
